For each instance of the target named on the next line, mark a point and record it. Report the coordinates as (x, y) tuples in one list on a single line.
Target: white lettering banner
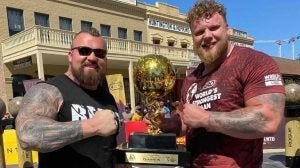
[(169, 26)]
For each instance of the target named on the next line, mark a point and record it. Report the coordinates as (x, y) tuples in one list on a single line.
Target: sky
[(267, 21)]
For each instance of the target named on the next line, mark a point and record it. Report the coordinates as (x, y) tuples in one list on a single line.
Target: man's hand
[(193, 115), (105, 122), (168, 125)]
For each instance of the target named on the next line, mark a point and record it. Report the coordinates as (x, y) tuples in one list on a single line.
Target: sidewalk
[(274, 158)]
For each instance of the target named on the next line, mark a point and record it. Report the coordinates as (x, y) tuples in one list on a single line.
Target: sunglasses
[(86, 51)]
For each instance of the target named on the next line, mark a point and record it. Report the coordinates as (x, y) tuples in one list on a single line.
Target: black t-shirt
[(80, 104)]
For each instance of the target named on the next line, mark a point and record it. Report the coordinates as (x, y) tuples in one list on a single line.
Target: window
[(41, 19), (156, 38), (105, 30), (156, 41), (171, 43), (122, 33), (184, 45), (17, 84), (137, 35), (65, 23), (85, 25), (15, 20)]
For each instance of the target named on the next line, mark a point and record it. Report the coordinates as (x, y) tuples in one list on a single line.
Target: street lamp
[(279, 43), (292, 41)]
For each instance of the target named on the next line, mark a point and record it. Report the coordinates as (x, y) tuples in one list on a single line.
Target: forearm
[(246, 123), (261, 117), (45, 135)]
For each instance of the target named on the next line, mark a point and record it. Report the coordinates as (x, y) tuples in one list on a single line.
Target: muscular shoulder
[(249, 63), (43, 91), (251, 57), (258, 72), (42, 99)]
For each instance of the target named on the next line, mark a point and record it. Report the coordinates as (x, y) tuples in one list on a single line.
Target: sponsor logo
[(209, 84), (204, 96), (273, 80)]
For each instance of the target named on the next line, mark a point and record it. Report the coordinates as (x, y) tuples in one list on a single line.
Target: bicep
[(271, 105), (41, 101)]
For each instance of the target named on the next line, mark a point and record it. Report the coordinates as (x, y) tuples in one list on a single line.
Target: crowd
[(167, 108)]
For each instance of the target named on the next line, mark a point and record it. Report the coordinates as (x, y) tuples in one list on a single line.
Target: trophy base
[(153, 151), (148, 141)]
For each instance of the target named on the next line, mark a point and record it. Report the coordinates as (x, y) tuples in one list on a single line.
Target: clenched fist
[(104, 123)]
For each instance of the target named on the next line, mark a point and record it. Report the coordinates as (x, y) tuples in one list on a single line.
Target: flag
[(116, 88)]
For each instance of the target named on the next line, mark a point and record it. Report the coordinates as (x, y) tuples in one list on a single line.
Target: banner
[(132, 2), (11, 148), (116, 88)]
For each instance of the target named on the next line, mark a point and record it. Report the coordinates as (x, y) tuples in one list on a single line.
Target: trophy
[(154, 78)]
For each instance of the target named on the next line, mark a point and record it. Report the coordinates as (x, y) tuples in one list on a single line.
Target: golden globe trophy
[(154, 78)]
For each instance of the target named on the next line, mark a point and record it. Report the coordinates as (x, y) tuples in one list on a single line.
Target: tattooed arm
[(261, 117), (36, 124)]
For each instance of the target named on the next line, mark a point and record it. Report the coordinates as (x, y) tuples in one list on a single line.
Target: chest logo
[(209, 84), (80, 112), (191, 92)]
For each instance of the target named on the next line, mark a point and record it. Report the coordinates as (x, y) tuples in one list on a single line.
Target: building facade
[(36, 36)]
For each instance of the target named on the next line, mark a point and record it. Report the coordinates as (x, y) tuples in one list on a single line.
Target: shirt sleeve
[(262, 76)]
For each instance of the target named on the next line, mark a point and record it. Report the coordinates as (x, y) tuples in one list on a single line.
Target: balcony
[(57, 42)]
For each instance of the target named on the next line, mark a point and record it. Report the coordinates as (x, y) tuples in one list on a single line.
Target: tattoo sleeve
[(261, 115), (36, 124)]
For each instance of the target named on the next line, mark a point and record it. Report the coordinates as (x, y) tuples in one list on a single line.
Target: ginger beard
[(209, 56), (89, 77)]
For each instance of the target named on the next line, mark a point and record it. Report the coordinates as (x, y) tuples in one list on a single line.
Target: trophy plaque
[(154, 78)]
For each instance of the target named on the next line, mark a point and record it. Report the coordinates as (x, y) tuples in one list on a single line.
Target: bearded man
[(233, 99), (71, 119)]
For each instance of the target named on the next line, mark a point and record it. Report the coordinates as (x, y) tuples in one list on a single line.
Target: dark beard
[(208, 57), (90, 79)]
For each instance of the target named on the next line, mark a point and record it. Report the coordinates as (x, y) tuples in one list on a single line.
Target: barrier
[(11, 152), (292, 136)]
